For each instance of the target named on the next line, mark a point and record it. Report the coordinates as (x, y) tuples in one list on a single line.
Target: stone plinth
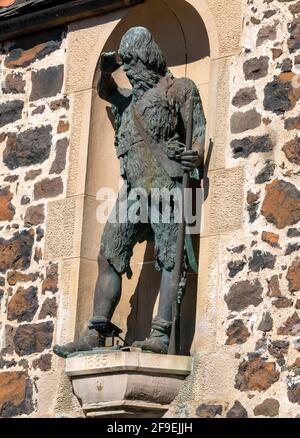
[(126, 384)]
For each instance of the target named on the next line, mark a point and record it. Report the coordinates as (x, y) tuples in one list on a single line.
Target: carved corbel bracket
[(123, 384)]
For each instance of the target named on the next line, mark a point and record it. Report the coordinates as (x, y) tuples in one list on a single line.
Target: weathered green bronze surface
[(151, 123)]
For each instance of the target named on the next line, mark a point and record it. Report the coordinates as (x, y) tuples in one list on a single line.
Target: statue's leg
[(106, 298), (107, 295), (117, 243), (158, 341), (107, 292), (165, 243), (108, 288), (166, 296)]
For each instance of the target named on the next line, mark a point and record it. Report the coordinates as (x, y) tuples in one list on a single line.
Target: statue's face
[(128, 63), (132, 67)]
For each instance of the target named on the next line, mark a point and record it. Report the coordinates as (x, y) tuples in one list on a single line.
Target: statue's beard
[(142, 81)]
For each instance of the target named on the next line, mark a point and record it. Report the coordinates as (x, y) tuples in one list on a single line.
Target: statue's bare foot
[(158, 341), (84, 343)]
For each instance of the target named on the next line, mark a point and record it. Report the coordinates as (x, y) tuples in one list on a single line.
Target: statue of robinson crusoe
[(151, 123)]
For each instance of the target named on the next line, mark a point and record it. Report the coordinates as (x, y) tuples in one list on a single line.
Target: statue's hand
[(190, 160), (109, 62), (174, 148)]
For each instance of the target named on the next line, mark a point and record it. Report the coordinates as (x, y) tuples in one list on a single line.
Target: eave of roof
[(35, 15)]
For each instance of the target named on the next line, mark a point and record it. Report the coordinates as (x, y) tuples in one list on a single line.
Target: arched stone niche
[(186, 48), (198, 39)]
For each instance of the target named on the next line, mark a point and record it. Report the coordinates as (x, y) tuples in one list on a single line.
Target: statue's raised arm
[(107, 88)]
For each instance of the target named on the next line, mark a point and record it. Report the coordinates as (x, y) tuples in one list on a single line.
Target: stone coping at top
[(25, 17), (24, 7), (134, 361)]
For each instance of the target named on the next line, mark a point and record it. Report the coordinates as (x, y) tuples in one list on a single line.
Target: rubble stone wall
[(34, 138), (258, 281)]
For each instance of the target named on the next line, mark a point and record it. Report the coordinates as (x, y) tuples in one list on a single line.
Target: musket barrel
[(174, 346)]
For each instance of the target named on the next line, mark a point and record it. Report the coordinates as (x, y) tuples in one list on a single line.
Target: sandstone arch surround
[(69, 238)]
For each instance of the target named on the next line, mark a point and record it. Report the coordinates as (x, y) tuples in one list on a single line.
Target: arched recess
[(183, 36)]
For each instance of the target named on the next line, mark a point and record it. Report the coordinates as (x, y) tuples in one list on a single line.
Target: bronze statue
[(151, 126)]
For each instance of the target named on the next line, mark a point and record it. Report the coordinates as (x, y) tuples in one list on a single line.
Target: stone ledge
[(98, 363), (125, 384)]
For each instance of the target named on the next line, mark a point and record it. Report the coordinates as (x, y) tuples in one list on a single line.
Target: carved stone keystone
[(126, 384)]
